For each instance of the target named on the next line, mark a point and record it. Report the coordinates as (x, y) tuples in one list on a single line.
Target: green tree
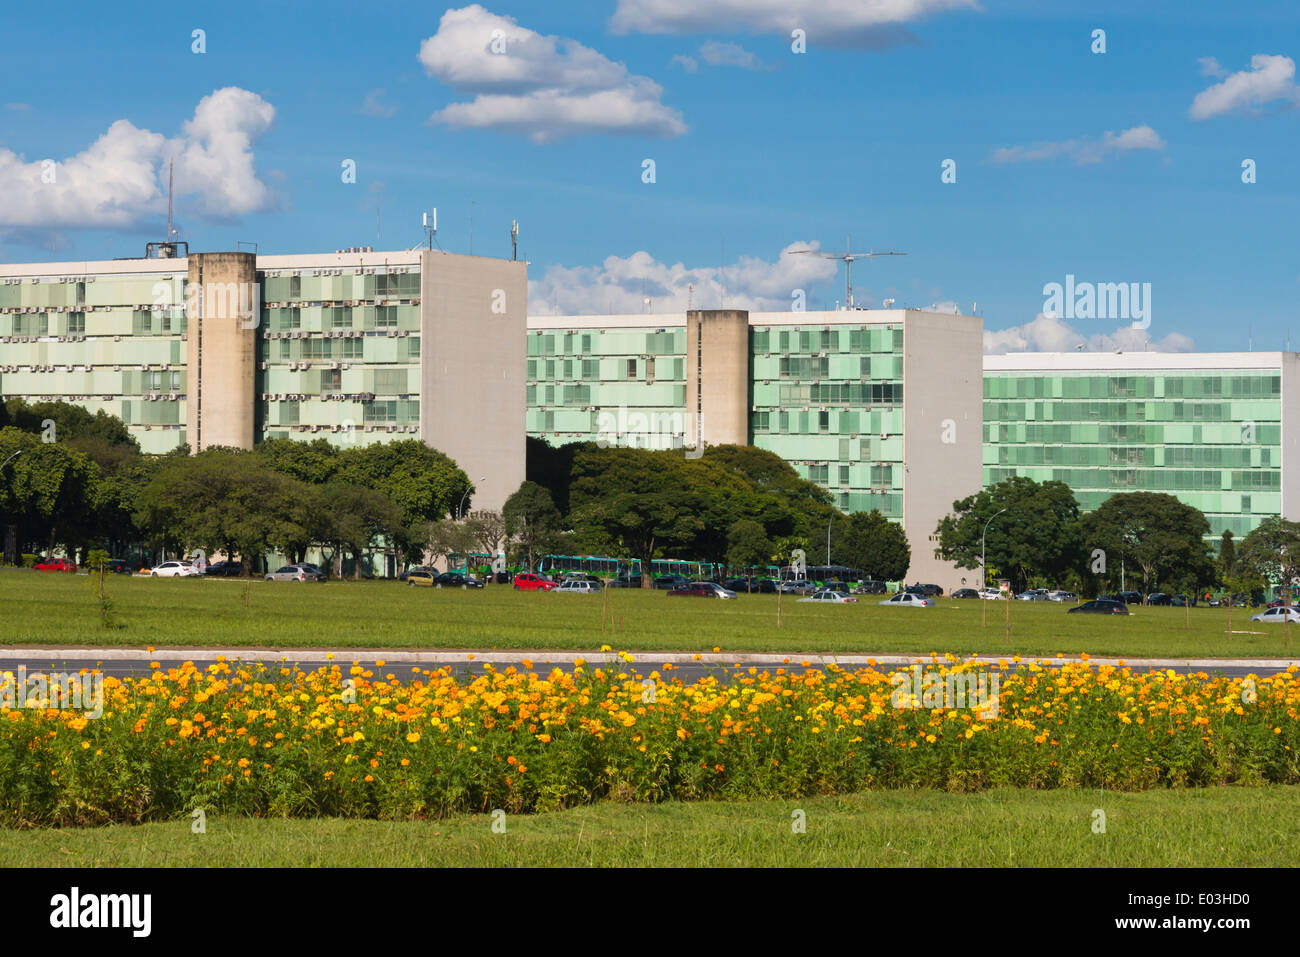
[(1227, 555), (531, 520), (1159, 534), (1272, 552), (1037, 534), (871, 542), (315, 462), (423, 482), (748, 544), (354, 518)]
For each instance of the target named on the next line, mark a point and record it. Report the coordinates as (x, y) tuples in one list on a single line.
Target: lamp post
[(460, 509), (11, 531), (828, 540), (984, 607)]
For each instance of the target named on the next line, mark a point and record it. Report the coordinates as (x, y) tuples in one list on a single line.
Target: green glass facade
[(1212, 438), (102, 341), (339, 353)]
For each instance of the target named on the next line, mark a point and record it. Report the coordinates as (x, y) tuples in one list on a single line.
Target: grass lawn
[(55, 609), (1227, 827)]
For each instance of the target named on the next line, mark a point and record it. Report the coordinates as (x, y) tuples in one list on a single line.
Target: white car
[(993, 594), (1062, 596), (829, 597), (907, 599), (1277, 615), (577, 587), (174, 570)]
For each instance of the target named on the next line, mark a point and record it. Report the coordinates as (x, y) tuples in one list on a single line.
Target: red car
[(56, 565), (527, 581)]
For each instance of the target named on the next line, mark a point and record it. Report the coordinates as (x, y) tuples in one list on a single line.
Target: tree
[(488, 529), (1227, 555), (48, 491), (748, 544), (425, 483), (1038, 534), (1272, 552), (315, 462), (871, 542), (1160, 534), (447, 537), (354, 518), (531, 520)]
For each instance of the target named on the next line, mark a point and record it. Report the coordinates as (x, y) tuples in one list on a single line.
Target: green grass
[(48, 609), (1219, 827)]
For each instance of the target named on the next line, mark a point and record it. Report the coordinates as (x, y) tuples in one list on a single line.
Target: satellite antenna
[(514, 240), (847, 257)]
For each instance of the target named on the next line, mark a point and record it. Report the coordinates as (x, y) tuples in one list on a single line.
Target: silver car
[(296, 573)]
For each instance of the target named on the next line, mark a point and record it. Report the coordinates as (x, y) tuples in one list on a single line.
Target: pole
[(1008, 618), (779, 592), (828, 541), (984, 611)]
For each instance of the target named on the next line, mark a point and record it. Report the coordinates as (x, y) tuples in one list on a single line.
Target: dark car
[(1182, 601), (700, 590), (668, 582), (118, 566), (1158, 598), (626, 581), (742, 585), (456, 580), (841, 587), (224, 569), (1100, 606), (871, 588), (1130, 597), (965, 593), (929, 591)]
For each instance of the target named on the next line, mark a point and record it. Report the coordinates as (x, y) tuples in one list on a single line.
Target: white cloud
[(729, 54), (827, 22), (1210, 67), (1050, 334), (121, 178), (542, 87), (1083, 150), (373, 107), (615, 286), (1269, 78), (687, 63)]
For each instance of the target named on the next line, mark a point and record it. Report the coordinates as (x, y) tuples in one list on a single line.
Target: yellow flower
[(413, 737)]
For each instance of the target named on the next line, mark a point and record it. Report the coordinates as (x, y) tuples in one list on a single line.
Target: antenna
[(514, 240), (170, 231), (847, 257), (430, 224)]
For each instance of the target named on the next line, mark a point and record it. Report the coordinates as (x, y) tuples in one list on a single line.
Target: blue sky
[(1067, 161)]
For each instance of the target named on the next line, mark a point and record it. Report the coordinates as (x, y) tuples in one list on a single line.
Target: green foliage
[(532, 521), (96, 557), (1272, 552), (1037, 534), (871, 542), (29, 560), (748, 544), (1157, 533)]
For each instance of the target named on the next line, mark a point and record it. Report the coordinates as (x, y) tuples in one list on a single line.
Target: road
[(121, 662)]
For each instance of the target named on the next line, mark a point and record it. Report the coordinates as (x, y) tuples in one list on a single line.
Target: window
[(631, 368), (352, 348), (390, 381), (331, 380), (76, 322)]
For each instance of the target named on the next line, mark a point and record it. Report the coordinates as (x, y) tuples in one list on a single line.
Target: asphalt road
[(122, 662)]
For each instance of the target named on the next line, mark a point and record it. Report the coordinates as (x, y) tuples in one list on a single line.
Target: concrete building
[(824, 390), (228, 348), (1217, 430)]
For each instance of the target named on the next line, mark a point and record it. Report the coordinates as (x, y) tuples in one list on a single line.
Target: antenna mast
[(170, 231), (847, 257)]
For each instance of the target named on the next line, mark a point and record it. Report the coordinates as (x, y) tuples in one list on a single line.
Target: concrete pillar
[(224, 312), (717, 377)]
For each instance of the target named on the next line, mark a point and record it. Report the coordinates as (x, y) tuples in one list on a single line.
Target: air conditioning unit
[(117, 368), (172, 396), (343, 365), (369, 428)]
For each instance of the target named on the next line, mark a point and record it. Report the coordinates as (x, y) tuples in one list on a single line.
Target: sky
[(679, 151)]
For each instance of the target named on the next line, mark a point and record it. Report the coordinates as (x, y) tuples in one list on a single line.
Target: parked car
[(174, 570), (1182, 601), (907, 599), (456, 580), (796, 587), (56, 565), (667, 582), (965, 593), (829, 596), (871, 588), (405, 576), (1100, 606), (1033, 594), (742, 585), (1130, 597), (530, 581), (421, 576), (929, 591), (300, 572), (118, 566), (1059, 595), (576, 586), (993, 594), (1158, 598), (1275, 615), (700, 590), (626, 581), (224, 569)]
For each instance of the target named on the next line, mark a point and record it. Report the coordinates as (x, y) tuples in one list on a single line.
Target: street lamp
[(460, 509), (983, 581), (11, 458)]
